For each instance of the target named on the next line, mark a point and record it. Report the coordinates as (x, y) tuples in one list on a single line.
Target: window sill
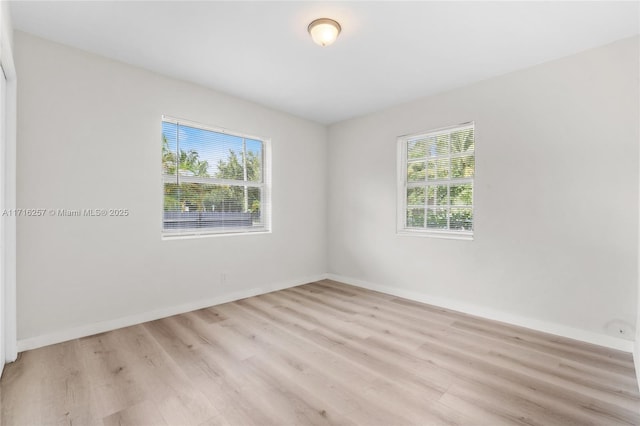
[(450, 235), (188, 236)]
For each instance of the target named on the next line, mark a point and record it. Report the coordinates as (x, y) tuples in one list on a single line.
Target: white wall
[(89, 137), (556, 197), (636, 346)]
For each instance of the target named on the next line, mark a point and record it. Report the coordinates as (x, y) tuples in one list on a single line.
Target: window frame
[(402, 185), (265, 186)]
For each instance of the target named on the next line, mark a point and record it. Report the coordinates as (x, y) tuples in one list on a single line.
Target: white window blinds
[(436, 181), (214, 180)]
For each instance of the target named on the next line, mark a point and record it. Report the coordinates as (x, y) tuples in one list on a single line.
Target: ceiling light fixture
[(324, 31)]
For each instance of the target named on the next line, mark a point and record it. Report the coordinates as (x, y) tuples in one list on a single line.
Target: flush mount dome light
[(324, 31)]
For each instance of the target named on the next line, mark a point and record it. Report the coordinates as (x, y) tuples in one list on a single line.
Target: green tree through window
[(211, 179), (438, 184)]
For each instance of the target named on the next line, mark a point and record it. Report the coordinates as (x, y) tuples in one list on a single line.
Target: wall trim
[(479, 311), (492, 314), (636, 358), (8, 65), (109, 325)]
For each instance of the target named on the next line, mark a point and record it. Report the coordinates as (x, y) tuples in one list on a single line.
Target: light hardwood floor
[(322, 353)]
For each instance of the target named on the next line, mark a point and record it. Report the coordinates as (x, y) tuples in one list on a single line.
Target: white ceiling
[(388, 52)]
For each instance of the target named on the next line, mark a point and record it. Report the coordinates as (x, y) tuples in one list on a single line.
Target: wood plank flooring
[(318, 354)]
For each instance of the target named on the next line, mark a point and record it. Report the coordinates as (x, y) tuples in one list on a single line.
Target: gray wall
[(556, 197), (89, 137)]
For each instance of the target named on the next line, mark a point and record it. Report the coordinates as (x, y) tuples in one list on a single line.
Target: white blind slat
[(440, 170), (213, 181)]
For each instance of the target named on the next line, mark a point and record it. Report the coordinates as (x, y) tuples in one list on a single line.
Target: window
[(435, 184), (214, 181)]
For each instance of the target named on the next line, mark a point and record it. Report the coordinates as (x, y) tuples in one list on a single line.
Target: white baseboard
[(102, 326), (543, 326), (471, 309), (636, 357)]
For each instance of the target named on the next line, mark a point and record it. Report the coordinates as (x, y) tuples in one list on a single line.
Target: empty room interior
[(308, 213)]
